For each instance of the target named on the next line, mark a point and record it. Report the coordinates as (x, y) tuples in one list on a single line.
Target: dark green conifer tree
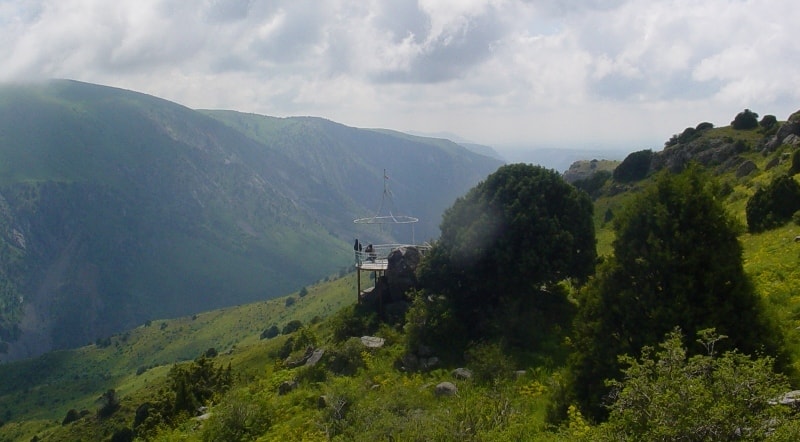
[(504, 246), (677, 262)]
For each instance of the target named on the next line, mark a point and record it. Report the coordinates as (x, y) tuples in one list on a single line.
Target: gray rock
[(445, 389), (792, 140), (286, 387), (316, 356), (429, 363), (786, 129), (772, 163), (462, 373), (745, 169), (372, 341), (790, 399), (293, 363)]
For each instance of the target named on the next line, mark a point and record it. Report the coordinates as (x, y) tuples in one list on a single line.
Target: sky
[(513, 74)]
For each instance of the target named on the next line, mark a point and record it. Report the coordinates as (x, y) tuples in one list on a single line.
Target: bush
[(745, 120), (353, 321), (488, 362), (291, 327), (270, 332), (346, 359), (110, 404), (704, 126), (768, 122), (634, 167), (289, 301), (72, 416), (774, 205), (667, 395), (238, 418)]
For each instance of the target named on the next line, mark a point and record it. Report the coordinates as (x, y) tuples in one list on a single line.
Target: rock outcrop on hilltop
[(723, 154)]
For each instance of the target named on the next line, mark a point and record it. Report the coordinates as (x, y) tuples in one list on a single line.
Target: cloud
[(497, 71)]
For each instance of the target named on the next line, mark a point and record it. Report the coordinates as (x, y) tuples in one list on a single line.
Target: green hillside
[(117, 207), (514, 389)]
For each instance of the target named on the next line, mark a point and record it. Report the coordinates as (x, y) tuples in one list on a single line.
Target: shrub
[(289, 301), (667, 395), (634, 167), (704, 126), (270, 332), (238, 418), (768, 122), (745, 120), (489, 363), (346, 359), (353, 321), (774, 205), (110, 404), (72, 416), (291, 327)]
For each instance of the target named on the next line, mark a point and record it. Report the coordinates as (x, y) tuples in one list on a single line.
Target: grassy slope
[(58, 381), (388, 400)]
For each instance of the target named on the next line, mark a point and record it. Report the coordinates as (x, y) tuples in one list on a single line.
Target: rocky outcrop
[(389, 296), (788, 133), (710, 153)]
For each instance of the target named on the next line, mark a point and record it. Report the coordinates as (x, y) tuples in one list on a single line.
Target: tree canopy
[(677, 262), (522, 229)]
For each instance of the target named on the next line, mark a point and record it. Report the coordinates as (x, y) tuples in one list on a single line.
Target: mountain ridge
[(117, 207)]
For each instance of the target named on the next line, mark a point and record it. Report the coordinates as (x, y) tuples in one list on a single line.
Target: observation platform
[(377, 260)]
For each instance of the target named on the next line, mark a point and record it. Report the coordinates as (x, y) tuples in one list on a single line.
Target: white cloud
[(537, 72)]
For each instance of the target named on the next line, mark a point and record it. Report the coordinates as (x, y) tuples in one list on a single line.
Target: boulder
[(286, 387), (789, 399), (445, 389), (786, 129), (372, 341), (462, 373), (746, 168), (316, 356), (772, 163), (293, 362), (792, 140)]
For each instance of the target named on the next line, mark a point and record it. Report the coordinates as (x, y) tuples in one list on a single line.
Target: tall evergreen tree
[(521, 230), (677, 262)]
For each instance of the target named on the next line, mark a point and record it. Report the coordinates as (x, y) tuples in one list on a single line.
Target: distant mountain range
[(118, 207)]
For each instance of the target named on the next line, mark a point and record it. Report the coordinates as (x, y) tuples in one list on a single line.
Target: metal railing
[(380, 252)]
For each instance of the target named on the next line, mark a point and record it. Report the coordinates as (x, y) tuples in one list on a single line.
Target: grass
[(58, 381)]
